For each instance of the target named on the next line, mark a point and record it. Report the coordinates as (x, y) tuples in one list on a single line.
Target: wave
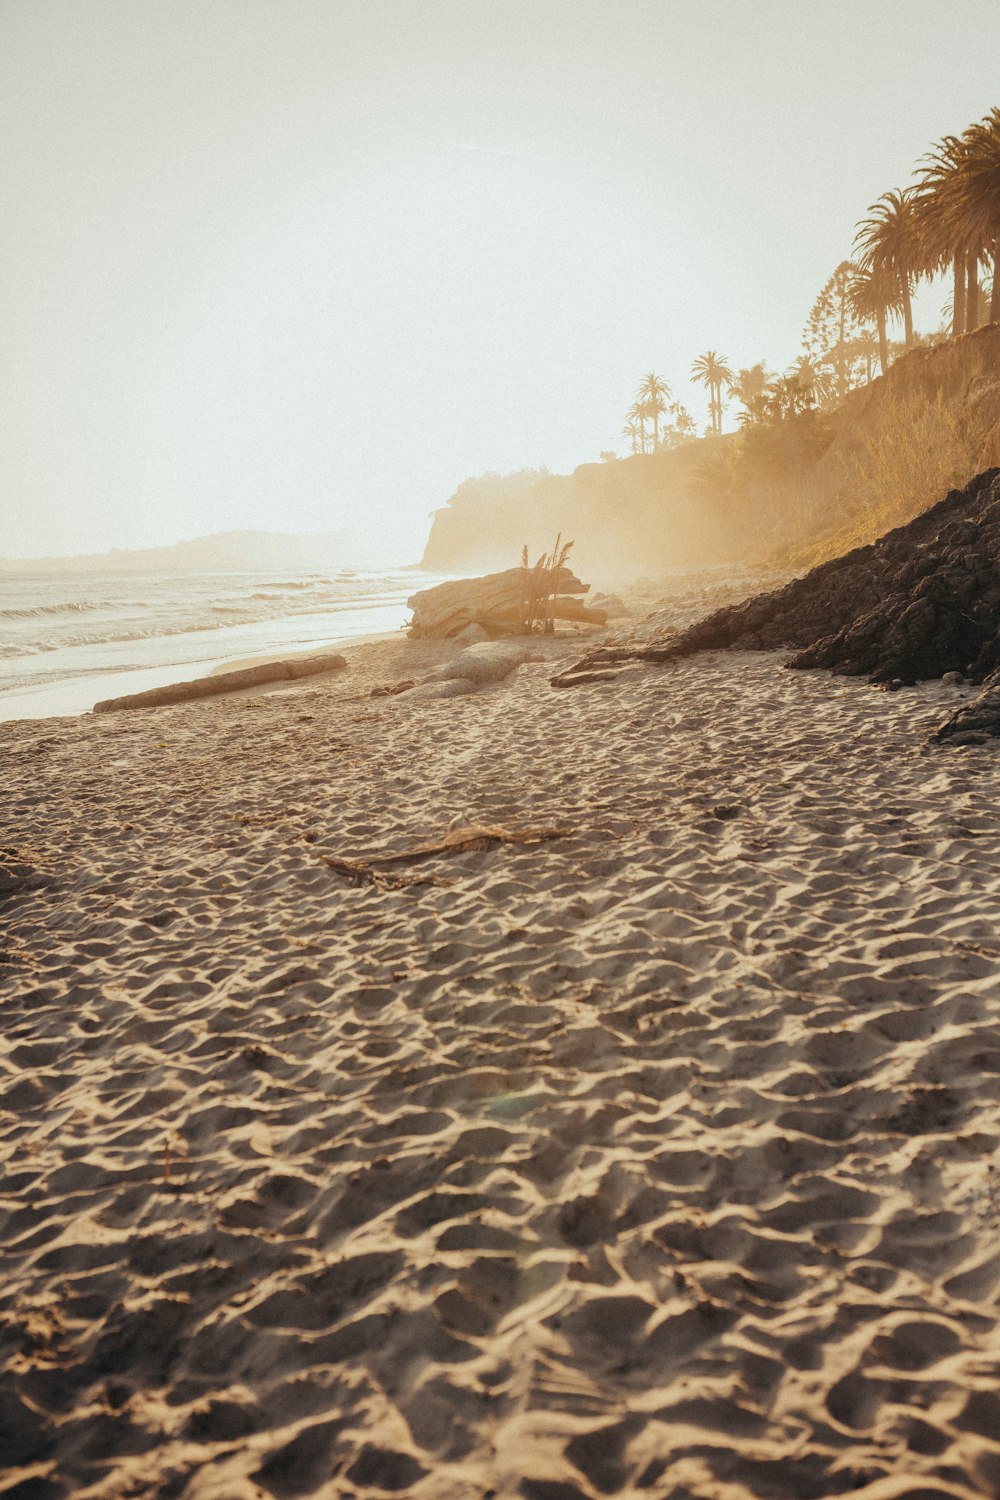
[(300, 583), (232, 615), (67, 607)]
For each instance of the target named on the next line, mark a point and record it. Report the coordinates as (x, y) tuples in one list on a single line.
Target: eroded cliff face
[(633, 516), (962, 376), (657, 513)]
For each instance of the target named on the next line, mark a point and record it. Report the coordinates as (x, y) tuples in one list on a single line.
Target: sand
[(656, 1158)]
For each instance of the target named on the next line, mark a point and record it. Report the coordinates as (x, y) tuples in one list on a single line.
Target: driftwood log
[(501, 604), (224, 682)]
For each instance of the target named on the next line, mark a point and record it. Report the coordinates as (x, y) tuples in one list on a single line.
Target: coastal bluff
[(664, 511)]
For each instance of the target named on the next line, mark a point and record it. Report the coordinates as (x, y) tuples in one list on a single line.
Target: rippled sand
[(657, 1158)]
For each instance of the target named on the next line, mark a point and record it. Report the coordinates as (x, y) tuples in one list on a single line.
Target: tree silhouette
[(653, 395), (712, 370), (874, 295), (832, 327), (750, 386), (958, 215), (980, 196), (633, 431), (637, 414), (888, 249)]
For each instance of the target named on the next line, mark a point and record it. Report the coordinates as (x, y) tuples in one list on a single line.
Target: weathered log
[(575, 610), (224, 682), (502, 603)]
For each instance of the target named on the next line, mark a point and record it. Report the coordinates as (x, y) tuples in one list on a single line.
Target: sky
[(307, 264)]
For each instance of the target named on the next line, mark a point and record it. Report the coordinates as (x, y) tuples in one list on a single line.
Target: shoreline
[(66, 700), (679, 597), (641, 1138)]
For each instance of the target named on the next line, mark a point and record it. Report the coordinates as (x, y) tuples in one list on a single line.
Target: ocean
[(69, 639)]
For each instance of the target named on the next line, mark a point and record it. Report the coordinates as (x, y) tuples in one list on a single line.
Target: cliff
[(631, 515), (894, 447)]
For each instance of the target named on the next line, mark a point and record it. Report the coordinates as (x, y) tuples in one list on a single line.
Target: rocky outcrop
[(922, 601), (225, 682)]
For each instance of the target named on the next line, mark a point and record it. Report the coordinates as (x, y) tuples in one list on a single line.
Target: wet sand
[(658, 1156)]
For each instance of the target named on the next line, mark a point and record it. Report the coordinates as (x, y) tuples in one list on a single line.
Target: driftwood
[(224, 682), (502, 604)]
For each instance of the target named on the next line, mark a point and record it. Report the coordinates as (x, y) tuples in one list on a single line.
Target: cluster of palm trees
[(947, 221), (762, 395), (654, 403)]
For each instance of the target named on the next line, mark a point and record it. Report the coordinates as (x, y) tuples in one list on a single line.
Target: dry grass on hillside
[(909, 459)]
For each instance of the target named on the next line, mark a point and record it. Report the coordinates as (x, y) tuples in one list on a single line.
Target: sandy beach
[(653, 1153)]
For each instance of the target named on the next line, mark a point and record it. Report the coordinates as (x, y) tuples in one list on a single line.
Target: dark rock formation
[(224, 682), (922, 601), (973, 723)]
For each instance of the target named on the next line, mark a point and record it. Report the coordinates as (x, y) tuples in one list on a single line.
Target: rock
[(953, 679), (224, 682), (974, 723), (921, 601), (488, 661), (724, 812), (473, 632), (610, 605)]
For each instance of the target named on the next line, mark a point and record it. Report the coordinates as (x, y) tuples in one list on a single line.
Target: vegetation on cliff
[(827, 456)]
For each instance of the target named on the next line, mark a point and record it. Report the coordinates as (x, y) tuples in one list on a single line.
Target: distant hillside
[(224, 552), (891, 449)]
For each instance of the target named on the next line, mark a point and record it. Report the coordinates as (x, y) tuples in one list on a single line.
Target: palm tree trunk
[(972, 292), (958, 303), (883, 342), (995, 299), (907, 315)]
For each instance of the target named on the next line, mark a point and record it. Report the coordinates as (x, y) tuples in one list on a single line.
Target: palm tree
[(749, 386), (890, 250), (712, 370), (633, 432), (810, 377), (874, 295), (654, 394), (941, 226), (868, 348), (980, 184), (637, 414)]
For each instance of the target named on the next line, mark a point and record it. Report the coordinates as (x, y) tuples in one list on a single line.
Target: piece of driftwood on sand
[(455, 841), (224, 682), (501, 604)]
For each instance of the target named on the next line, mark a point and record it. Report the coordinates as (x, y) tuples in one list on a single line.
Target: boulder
[(489, 661)]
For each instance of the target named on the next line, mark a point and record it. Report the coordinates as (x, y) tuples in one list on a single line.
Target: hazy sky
[(299, 264)]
